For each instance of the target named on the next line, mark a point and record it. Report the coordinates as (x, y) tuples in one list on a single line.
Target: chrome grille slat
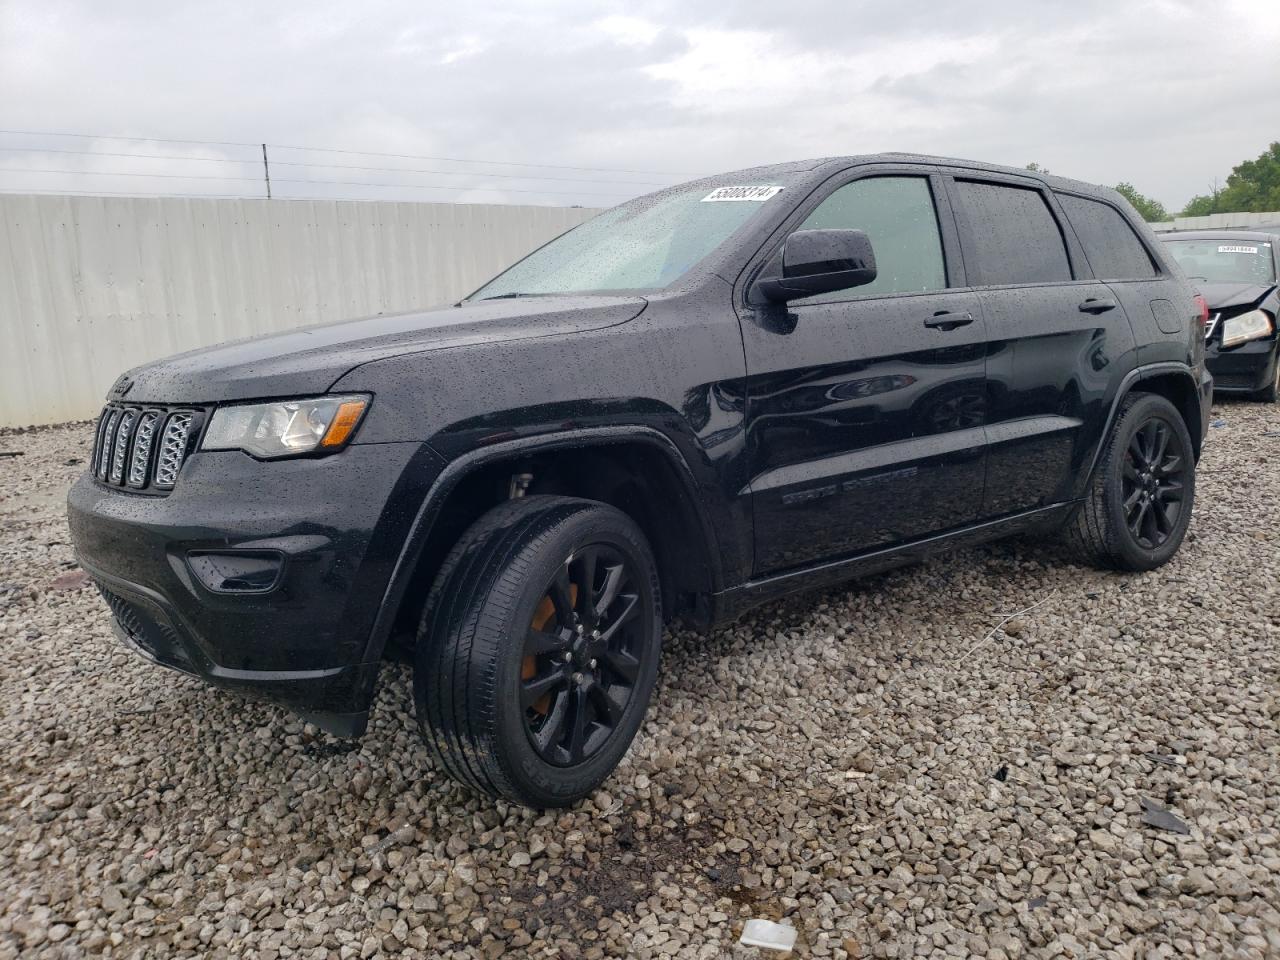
[(95, 461), (140, 459), (1212, 325), (120, 450), (141, 448), (108, 442), (173, 448)]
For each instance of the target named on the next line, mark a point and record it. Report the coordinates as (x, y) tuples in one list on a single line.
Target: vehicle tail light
[(1203, 307)]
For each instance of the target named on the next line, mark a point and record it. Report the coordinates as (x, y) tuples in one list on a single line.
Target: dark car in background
[(1236, 272), (699, 401)]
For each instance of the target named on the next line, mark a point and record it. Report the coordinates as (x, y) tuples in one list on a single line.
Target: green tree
[(1252, 187), (1036, 168), (1203, 205), (1152, 211)]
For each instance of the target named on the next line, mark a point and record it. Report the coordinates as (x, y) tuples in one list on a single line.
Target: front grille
[(1235, 381), (143, 448)]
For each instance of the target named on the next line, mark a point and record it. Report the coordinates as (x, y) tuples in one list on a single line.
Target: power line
[(326, 166), (349, 183), (176, 196), (95, 173), (505, 163), (366, 153), (140, 196), (464, 173), (139, 156), (95, 136), (478, 186)]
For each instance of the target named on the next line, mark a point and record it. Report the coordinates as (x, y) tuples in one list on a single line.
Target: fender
[(1135, 376), (461, 466)]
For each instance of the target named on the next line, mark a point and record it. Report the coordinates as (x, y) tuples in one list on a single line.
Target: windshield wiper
[(506, 296)]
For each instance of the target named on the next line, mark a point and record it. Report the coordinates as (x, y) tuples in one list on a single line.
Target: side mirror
[(818, 261)]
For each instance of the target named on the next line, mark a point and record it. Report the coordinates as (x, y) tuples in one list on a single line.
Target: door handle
[(946, 320), (1097, 305)]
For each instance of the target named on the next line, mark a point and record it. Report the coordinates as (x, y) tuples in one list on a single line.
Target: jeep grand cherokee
[(698, 401)]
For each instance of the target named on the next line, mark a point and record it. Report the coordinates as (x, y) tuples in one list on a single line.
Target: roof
[(841, 162)]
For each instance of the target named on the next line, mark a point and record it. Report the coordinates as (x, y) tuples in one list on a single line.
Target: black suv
[(696, 402)]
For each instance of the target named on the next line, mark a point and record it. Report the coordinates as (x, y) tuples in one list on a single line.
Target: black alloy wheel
[(538, 649), (1152, 483), (582, 656), (1137, 507)]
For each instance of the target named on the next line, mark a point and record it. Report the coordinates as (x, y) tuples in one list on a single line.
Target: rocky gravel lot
[(874, 766)]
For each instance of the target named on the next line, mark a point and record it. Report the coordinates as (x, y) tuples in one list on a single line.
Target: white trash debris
[(770, 935)]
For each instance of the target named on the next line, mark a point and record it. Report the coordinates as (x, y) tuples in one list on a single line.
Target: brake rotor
[(541, 617)]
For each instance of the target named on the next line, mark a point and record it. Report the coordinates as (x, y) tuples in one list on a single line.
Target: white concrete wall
[(1220, 221), (90, 286)]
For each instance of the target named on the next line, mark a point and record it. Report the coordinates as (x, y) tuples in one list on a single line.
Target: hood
[(310, 359), (1224, 296)]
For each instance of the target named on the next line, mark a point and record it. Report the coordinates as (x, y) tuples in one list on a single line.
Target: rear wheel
[(538, 649), (1138, 507)]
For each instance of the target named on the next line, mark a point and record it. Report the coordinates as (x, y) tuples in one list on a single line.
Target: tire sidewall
[(1148, 408), (516, 757)]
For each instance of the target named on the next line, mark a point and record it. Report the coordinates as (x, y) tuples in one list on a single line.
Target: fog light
[(240, 572)]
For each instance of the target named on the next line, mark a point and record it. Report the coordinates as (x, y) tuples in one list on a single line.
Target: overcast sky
[(1163, 93)]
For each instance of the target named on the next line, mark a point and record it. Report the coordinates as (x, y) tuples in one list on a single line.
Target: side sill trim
[(728, 605)]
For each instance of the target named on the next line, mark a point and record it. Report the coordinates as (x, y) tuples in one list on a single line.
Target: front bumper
[(1244, 369), (333, 529)]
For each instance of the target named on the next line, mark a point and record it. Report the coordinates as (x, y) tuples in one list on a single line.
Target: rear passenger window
[(898, 216), (1012, 237), (1110, 245)]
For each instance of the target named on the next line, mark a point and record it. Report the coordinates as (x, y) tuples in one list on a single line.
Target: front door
[(866, 407)]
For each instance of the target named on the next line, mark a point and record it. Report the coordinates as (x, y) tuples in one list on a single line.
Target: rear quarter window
[(1110, 244), (1012, 236)]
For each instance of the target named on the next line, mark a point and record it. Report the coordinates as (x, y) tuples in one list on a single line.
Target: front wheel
[(1138, 506), (538, 649)]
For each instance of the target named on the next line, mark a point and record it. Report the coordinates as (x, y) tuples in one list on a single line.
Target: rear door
[(1057, 336), (865, 407), (1156, 304)]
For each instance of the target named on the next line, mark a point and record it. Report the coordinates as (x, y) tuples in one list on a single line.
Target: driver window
[(898, 216)]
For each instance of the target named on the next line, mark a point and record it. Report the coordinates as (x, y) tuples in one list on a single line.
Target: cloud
[(1092, 89)]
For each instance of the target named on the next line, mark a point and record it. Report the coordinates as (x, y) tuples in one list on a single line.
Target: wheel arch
[(1176, 382), (639, 470)]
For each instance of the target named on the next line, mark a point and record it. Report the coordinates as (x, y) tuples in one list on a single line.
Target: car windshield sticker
[(1233, 248), (757, 194)]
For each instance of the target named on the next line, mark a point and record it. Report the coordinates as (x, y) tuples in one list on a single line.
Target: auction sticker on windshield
[(1233, 248), (757, 194)]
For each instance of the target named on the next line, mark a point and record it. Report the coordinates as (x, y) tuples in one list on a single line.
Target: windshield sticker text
[(1232, 248), (757, 194)]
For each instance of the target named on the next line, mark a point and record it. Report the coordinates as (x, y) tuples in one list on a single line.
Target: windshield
[(1225, 261), (646, 244)]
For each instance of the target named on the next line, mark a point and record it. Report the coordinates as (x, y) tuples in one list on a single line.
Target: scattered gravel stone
[(861, 765)]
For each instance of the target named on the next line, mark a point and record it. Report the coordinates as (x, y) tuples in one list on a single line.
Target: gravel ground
[(876, 766)]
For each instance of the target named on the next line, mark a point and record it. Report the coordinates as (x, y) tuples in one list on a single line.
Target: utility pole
[(266, 170)]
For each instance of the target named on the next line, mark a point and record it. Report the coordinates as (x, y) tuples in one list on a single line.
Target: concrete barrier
[(90, 286)]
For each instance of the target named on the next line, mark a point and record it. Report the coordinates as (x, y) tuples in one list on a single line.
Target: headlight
[(285, 428), (1253, 325)]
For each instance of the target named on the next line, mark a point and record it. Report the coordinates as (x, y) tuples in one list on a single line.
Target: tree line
[(1253, 186)]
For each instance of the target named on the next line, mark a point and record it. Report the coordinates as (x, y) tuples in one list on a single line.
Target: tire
[(1101, 529), (517, 581), (1271, 394)]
